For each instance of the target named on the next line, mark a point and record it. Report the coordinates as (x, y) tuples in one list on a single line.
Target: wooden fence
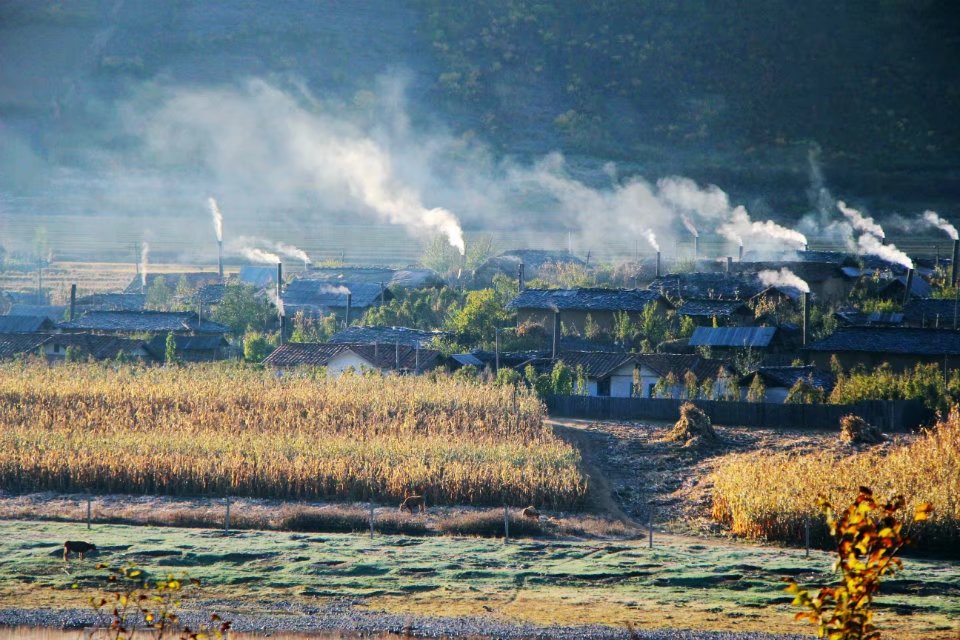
[(889, 415)]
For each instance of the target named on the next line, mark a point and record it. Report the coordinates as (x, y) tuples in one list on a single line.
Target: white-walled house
[(608, 373), (339, 358), (654, 367)]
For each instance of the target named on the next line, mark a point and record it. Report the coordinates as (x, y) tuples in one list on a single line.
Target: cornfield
[(214, 430), (759, 495)]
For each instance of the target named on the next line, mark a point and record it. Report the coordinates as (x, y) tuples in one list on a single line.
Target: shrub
[(489, 524)]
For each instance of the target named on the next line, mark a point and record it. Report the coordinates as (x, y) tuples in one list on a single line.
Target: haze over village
[(509, 319)]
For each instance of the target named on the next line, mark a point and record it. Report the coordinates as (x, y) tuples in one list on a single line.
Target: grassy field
[(678, 584), (214, 430)]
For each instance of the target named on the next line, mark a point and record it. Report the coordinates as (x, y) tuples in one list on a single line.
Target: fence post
[(371, 517), (506, 525), (806, 533), (226, 520), (89, 509), (650, 524)]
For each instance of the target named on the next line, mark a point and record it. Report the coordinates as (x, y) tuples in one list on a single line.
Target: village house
[(533, 261), (315, 298), (93, 346), (54, 312), (607, 373), (655, 369), (177, 322), (16, 344), (191, 348), (901, 347), (571, 307), (897, 287), (855, 318), (340, 358), (386, 335), (826, 279), (110, 302), (26, 324), (724, 340), (932, 312)]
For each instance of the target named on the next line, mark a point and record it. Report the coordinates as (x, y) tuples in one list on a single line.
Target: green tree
[(170, 350), (687, 325), (308, 329), (479, 317), (706, 389), (256, 346), (479, 249), (623, 330), (591, 330), (242, 308), (507, 377), (73, 354), (159, 295), (653, 324), (690, 384), (562, 379), (440, 256)]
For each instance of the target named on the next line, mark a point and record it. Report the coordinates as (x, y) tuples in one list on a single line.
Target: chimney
[(279, 282), (729, 264), (658, 264), (696, 248), (73, 301), (909, 287), (220, 258), (346, 316), (521, 285), (740, 259), (283, 328), (556, 334), (383, 294), (806, 316), (953, 265)]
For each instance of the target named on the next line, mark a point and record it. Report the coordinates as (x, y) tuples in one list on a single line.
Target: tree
[(170, 349), (507, 377), (256, 346), (562, 379), (480, 249), (623, 330), (307, 329), (440, 256), (591, 330), (653, 324), (706, 389), (159, 295), (241, 308), (804, 391), (690, 384), (479, 317), (757, 390), (687, 325)]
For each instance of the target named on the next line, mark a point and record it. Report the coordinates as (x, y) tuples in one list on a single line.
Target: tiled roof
[(708, 286), (713, 308), (136, 321), (760, 337), (52, 311), (596, 364), (809, 271), (927, 310), (386, 335), (899, 340), (533, 260), (788, 376), (313, 296), (919, 287), (678, 364), (584, 299), (874, 318), (158, 344), (381, 356), (210, 294), (25, 324), (13, 344), (112, 302), (195, 280), (100, 347)]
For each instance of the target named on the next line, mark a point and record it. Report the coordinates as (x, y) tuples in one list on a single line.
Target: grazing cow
[(531, 512), (413, 502), (78, 547)]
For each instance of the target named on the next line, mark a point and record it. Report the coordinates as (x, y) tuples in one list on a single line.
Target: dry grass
[(206, 430), (760, 495)]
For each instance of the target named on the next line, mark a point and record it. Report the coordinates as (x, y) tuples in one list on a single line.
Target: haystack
[(693, 428), (856, 430)]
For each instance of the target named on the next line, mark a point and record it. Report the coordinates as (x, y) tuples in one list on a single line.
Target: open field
[(215, 430), (292, 579)]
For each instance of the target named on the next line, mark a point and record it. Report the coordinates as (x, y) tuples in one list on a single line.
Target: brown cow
[(413, 502), (531, 512), (78, 547)]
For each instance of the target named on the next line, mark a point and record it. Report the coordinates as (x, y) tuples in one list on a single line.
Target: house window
[(650, 388), (56, 348), (603, 387)]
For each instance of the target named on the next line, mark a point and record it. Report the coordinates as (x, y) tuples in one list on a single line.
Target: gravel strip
[(342, 616)]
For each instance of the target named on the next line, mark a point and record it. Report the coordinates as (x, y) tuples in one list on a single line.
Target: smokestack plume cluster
[(783, 278), (144, 262)]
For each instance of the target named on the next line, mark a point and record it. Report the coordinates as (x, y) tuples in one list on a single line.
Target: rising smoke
[(933, 219), (739, 226), (651, 238), (217, 218), (144, 262), (859, 221), (254, 254), (783, 278), (869, 244)]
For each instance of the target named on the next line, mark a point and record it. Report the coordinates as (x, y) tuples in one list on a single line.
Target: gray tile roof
[(585, 299), (678, 364), (25, 324), (925, 311), (99, 347), (137, 321), (874, 318), (758, 337), (708, 286), (919, 288), (112, 302), (52, 311), (596, 364), (411, 278), (713, 308), (13, 344), (381, 356), (386, 335), (892, 340), (314, 296)]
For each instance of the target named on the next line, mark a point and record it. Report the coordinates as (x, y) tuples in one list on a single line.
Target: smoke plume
[(783, 278), (933, 219), (651, 238), (292, 252), (144, 261), (217, 218), (254, 254), (337, 290), (859, 221), (688, 223), (740, 226), (684, 194), (869, 244)]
